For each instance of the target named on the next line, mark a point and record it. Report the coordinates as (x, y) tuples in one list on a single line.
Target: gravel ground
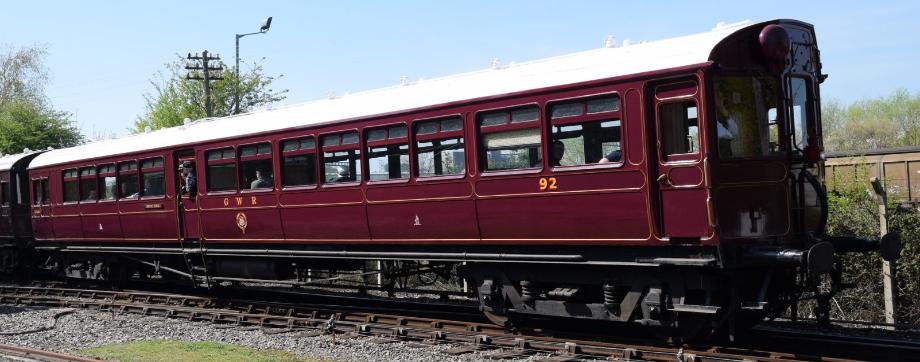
[(85, 328)]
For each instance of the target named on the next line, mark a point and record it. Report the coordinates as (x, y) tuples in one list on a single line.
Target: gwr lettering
[(253, 201)]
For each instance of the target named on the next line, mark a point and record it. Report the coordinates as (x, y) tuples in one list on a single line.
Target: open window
[(439, 147), (388, 153), (680, 134), (341, 158), (586, 132), (298, 162), (510, 139), (256, 166)]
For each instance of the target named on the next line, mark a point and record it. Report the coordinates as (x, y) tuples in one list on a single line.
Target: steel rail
[(292, 318), (32, 354)]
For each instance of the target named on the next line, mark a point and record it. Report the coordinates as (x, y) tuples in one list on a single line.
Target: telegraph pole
[(206, 70)]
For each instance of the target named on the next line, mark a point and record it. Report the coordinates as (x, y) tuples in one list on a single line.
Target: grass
[(181, 351)]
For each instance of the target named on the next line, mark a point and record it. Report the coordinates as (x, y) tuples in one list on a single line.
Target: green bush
[(854, 211)]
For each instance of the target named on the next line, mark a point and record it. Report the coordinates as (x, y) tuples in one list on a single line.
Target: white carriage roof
[(7, 161), (561, 70)]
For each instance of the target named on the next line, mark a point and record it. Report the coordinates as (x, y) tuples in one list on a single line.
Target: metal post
[(236, 93), (266, 24), (888, 267)]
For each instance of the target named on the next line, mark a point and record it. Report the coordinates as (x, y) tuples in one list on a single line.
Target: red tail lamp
[(774, 43)]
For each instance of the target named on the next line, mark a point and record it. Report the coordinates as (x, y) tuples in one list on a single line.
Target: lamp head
[(267, 23)]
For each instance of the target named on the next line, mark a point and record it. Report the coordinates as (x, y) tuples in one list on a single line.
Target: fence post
[(888, 267)]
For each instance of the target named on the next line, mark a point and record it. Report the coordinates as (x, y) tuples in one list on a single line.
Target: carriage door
[(679, 174), (188, 202)]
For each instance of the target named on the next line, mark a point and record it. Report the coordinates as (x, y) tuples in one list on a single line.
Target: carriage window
[(388, 153), (256, 164), (71, 186), (746, 116), (586, 143), (153, 176), (679, 128), (440, 148), (341, 158), (46, 192), (88, 184), (36, 192), (298, 166), (127, 180), (38, 195), (511, 139), (221, 172), (4, 193), (512, 149), (107, 181), (799, 88), (586, 132)]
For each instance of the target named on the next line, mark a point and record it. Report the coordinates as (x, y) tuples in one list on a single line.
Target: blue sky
[(103, 54)]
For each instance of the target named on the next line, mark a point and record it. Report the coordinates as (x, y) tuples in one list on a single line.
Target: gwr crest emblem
[(242, 222)]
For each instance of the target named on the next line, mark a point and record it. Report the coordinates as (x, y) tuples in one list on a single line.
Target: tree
[(24, 125), (867, 124), (175, 98), (23, 75), (27, 119)]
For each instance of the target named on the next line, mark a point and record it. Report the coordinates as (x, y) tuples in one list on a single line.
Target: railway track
[(315, 319), (23, 354)]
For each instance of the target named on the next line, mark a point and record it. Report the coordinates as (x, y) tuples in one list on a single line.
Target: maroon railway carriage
[(15, 228), (666, 183)]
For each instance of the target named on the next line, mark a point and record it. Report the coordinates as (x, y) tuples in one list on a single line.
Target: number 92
[(548, 183)]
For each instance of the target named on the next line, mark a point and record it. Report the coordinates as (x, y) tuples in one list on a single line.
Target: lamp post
[(267, 23)]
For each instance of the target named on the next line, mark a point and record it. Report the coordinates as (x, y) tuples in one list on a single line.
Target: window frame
[(789, 106), (387, 141), (240, 159), (64, 180), (153, 169), (299, 152), (100, 178), (584, 117), (35, 198), (438, 135), (5, 193), (677, 158), (118, 179), (208, 162), (322, 149), (482, 153), (44, 197), (95, 183)]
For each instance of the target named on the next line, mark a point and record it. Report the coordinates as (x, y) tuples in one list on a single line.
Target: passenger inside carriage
[(613, 156), (558, 152), (261, 181), (189, 186)]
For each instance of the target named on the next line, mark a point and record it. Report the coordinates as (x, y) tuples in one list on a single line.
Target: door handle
[(663, 178)]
